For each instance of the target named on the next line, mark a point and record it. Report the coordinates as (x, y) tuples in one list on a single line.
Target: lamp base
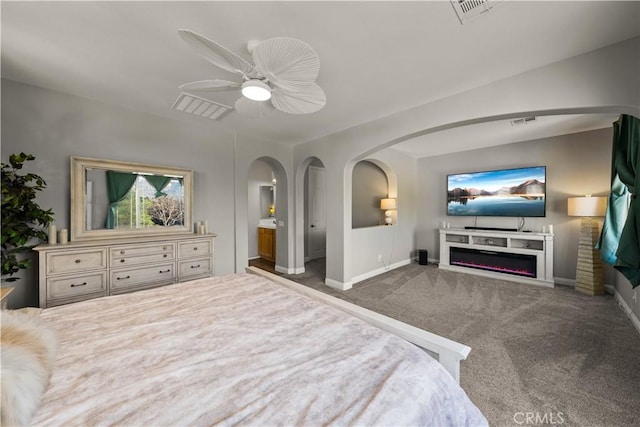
[(589, 270)]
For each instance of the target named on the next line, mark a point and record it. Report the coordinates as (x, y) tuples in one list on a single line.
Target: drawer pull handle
[(78, 261), (123, 278), (121, 260), (122, 252), (195, 266), (164, 256), (164, 271), (164, 248), (195, 248), (73, 285)]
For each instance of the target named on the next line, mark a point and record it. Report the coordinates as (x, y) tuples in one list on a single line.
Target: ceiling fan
[(283, 72)]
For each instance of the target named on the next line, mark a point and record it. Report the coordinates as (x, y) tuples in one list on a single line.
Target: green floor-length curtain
[(118, 186), (626, 167), (158, 182), (615, 218)]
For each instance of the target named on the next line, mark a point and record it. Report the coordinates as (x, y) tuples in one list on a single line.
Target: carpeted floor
[(554, 355)]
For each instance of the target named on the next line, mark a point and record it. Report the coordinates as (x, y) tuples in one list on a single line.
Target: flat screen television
[(505, 192)]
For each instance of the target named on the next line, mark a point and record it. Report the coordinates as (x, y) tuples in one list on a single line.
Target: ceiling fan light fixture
[(256, 90)]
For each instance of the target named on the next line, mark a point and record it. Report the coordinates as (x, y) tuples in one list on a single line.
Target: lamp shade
[(387, 204), (586, 206)]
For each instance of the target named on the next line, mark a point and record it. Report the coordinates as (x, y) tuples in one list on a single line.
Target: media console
[(525, 257)]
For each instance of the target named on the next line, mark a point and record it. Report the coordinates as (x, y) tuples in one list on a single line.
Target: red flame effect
[(497, 268)]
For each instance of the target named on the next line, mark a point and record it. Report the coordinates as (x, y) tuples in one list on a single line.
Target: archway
[(311, 224), (267, 214)]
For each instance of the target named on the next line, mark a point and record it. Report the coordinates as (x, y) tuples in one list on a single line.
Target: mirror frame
[(79, 166)]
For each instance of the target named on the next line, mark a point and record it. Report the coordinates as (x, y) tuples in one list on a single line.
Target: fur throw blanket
[(28, 353)]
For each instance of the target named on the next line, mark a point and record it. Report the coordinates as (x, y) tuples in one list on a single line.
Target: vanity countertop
[(267, 223)]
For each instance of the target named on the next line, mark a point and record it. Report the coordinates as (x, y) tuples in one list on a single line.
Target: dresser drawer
[(195, 248), (73, 261), (121, 256), (193, 268), (77, 286), (149, 276)]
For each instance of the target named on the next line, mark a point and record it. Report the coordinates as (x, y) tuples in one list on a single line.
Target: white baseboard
[(284, 270), (380, 270), (342, 286), (254, 257), (624, 307)]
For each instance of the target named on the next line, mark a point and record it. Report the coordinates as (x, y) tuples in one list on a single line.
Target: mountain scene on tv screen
[(517, 192)]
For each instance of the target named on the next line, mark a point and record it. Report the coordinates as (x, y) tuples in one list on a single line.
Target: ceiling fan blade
[(217, 54), (289, 64), (209, 86), (255, 109), (306, 101)]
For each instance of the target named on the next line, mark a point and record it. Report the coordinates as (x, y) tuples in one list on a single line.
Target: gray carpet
[(565, 357)]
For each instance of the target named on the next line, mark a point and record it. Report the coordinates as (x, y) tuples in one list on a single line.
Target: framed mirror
[(111, 199)]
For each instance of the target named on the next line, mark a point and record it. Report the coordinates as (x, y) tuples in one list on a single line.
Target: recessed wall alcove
[(371, 181)]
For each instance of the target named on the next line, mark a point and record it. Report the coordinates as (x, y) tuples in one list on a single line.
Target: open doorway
[(315, 224), (264, 209)]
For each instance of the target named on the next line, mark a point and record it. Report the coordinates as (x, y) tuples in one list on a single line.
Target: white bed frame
[(449, 353)]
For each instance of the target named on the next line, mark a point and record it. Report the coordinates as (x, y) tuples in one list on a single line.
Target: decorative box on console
[(516, 256)]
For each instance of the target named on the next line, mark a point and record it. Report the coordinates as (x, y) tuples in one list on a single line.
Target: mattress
[(238, 350)]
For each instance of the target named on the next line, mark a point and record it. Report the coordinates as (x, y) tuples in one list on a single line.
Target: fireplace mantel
[(539, 245)]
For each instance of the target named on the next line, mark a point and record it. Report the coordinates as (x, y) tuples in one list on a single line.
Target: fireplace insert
[(501, 262)]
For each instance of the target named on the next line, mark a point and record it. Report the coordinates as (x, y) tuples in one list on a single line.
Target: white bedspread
[(238, 349)]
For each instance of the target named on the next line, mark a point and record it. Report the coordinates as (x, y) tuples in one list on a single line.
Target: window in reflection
[(126, 200)]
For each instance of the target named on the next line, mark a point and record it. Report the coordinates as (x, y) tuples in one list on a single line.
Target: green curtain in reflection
[(626, 168), (158, 182), (118, 186)]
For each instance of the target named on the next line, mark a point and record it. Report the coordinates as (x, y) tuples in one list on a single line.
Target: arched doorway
[(311, 219), (266, 215)]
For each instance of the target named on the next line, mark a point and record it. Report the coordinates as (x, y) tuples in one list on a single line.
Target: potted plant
[(23, 221)]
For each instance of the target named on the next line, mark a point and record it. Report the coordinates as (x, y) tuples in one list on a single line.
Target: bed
[(238, 350)]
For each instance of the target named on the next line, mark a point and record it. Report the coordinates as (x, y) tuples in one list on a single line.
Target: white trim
[(284, 270), (449, 352), (251, 258), (341, 286), (298, 270), (624, 307), (376, 272)]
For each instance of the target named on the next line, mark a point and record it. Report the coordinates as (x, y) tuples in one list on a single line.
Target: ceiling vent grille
[(523, 121), (199, 106), (468, 9)]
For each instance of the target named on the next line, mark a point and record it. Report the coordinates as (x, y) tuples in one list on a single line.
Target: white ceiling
[(376, 58)]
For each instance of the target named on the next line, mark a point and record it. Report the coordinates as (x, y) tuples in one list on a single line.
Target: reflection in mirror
[(267, 201), (118, 199), (139, 200)]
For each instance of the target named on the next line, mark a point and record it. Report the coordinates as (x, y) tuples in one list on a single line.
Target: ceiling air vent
[(199, 106), (467, 9), (523, 121)]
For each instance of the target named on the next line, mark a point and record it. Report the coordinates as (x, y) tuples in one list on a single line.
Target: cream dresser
[(82, 270)]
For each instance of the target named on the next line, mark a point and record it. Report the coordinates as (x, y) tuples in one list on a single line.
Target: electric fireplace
[(501, 262)]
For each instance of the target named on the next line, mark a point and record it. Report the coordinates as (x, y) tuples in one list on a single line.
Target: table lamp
[(388, 205), (589, 273)]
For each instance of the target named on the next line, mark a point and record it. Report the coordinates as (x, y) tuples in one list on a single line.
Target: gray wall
[(577, 164), (54, 126), (582, 84), (396, 244)]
